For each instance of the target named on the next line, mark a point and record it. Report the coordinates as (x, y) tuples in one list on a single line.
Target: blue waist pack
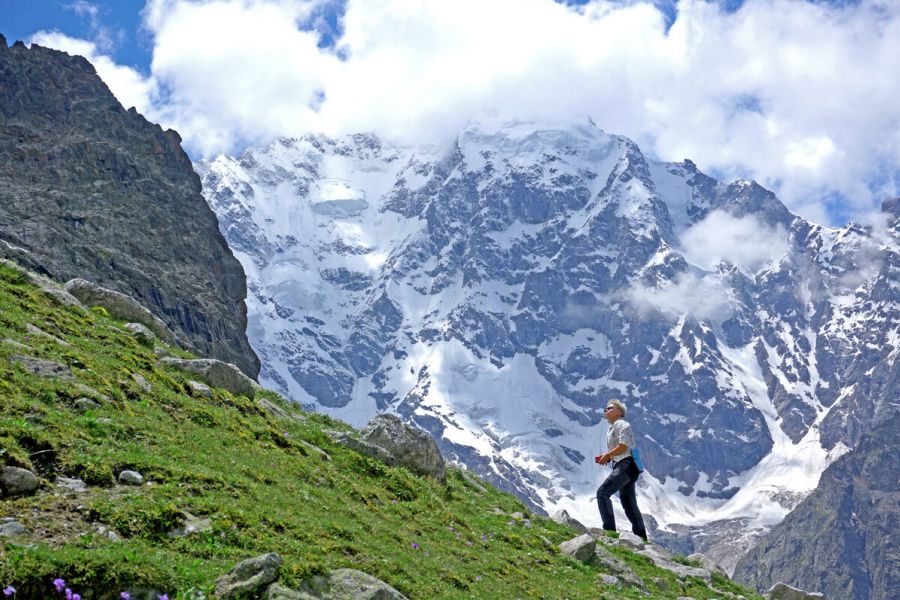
[(637, 460)]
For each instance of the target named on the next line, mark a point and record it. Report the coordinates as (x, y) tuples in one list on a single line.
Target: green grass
[(254, 475)]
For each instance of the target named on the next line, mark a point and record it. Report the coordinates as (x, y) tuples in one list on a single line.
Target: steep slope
[(498, 291), (855, 514), (226, 477), (88, 189)]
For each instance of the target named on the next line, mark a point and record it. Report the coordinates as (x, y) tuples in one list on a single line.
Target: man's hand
[(602, 459)]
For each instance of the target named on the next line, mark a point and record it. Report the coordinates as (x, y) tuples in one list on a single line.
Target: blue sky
[(793, 94)]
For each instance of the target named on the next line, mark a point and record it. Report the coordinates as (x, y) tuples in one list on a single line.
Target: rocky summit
[(498, 290), (91, 190)]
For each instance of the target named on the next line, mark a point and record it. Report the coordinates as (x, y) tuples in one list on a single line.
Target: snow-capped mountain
[(500, 290)]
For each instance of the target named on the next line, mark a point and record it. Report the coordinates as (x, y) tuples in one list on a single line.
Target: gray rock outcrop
[(141, 333), (563, 517), (119, 306), (248, 577), (15, 481), (48, 369), (413, 448), (349, 584), (782, 591), (580, 548), (215, 373), (131, 478), (89, 189)]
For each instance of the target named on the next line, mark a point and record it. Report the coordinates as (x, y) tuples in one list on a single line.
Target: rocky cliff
[(88, 189), (842, 539)]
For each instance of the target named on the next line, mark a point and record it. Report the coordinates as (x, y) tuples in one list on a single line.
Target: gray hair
[(620, 405)]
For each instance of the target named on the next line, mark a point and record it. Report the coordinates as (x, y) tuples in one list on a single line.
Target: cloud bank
[(797, 95)]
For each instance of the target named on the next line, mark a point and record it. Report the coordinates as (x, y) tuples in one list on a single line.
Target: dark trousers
[(622, 479)]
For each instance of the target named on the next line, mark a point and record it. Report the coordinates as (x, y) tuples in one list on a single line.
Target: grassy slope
[(251, 473)]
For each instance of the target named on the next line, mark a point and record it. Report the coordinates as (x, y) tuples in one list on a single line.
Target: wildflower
[(478, 578), (415, 546), (69, 594), (76, 596), (9, 591), (163, 597), (125, 596), (483, 538), (468, 543), (59, 584)]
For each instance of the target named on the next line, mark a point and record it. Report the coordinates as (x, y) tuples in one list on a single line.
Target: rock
[(70, 484), (15, 481), (350, 584), (248, 577), (199, 389), (707, 563), (142, 382), (85, 404), (15, 345), (104, 531), (191, 525), (36, 331), (42, 368), (315, 449), (161, 352), (279, 592), (561, 516), (272, 408), (12, 529), (131, 478), (215, 373), (611, 580), (141, 333), (119, 306), (91, 393), (605, 561), (782, 591), (365, 448), (661, 559), (472, 480), (580, 548), (412, 447), (629, 540)]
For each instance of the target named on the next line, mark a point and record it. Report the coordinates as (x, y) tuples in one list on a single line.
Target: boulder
[(10, 343), (119, 306), (215, 373), (37, 331), (708, 564), (142, 382), (561, 516), (580, 548), (131, 478), (248, 577), (190, 526), (605, 561), (412, 447), (370, 450), (91, 393), (12, 528), (782, 591), (70, 484), (279, 592), (199, 389), (662, 559), (17, 482), (85, 404), (141, 333), (42, 368), (349, 584)]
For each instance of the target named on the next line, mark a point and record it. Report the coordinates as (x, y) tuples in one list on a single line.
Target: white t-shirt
[(620, 433)]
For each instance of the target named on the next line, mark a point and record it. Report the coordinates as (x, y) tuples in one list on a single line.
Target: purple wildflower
[(483, 538), (415, 546), (59, 584), (125, 596), (478, 578), (164, 597), (68, 594), (76, 596), (9, 590)]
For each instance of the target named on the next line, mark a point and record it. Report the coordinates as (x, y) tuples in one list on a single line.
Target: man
[(619, 442)]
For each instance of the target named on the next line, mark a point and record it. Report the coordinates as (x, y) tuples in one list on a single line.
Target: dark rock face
[(842, 539), (88, 189)]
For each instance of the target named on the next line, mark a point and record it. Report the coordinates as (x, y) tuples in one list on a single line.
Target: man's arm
[(606, 457)]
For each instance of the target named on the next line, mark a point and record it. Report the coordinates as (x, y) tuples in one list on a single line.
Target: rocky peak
[(90, 190)]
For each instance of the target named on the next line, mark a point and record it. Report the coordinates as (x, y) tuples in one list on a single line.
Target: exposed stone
[(605, 561), (16, 345), (365, 448), (215, 373), (561, 516), (707, 563), (33, 330), (662, 559), (15, 481), (91, 393), (611, 580), (473, 480), (782, 591), (85, 404), (248, 576), (119, 306), (12, 529), (142, 382), (279, 592), (199, 389), (350, 584), (131, 478), (580, 548), (42, 368), (315, 450), (191, 525), (161, 352), (70, 484), (106, 532), (141, 333), (413, 448)]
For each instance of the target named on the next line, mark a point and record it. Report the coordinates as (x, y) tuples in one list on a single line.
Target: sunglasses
[(608, 408)]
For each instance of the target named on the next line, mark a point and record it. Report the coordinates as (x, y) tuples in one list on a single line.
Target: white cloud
[(793, 94), (127, 85), (745, 242), (704, 297)]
